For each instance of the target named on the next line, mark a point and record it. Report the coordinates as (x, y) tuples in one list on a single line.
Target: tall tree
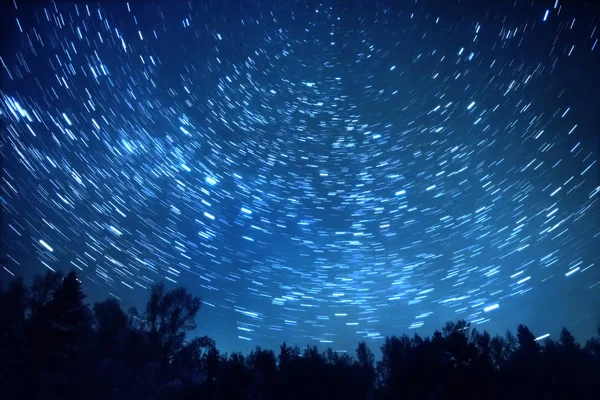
[(366, 373), (263, 367), (169, 316), (111, 327), (60, 329), (13, 343)]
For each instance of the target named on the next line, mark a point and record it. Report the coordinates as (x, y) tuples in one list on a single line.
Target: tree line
[(55, 346)]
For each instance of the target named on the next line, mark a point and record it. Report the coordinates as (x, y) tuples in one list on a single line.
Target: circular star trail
[(318, 173)]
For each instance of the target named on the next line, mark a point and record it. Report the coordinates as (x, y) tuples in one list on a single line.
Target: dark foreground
[(54, 346)]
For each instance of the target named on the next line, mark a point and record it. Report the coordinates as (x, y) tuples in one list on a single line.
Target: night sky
[(317, 172)]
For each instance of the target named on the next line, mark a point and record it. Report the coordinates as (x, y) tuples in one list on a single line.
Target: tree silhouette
[(167, 319), (365, 373), (263, 367), (13, 342), (55, 347), (58, 332), (112, 331)]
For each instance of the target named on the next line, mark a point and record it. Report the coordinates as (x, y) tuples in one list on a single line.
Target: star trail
[(318, 172)]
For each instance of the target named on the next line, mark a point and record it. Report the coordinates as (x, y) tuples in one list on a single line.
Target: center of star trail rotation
[(317, 173)]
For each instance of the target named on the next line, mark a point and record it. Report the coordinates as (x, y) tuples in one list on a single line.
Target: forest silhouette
[(55, 346)]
